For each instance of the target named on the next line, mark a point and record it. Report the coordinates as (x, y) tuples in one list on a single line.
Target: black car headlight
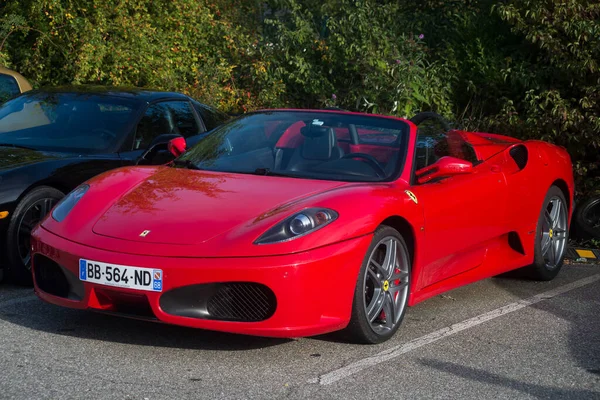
[(64, 207), (297, 225)]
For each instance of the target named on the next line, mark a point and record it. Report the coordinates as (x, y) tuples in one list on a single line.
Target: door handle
[(496, 168)]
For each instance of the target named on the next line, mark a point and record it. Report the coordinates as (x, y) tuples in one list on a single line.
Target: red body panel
[(203, 227), (293, 278)]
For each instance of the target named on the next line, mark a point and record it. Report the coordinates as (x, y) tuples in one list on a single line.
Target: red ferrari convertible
[(293, 223)]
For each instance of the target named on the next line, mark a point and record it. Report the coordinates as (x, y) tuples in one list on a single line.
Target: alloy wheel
[(554, 232), (386, 285)]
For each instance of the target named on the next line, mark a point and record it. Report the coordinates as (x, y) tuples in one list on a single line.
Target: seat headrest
[(320, 144), (315, 131)]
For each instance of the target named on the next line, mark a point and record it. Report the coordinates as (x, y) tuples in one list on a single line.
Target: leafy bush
[(184, 45), (353, 54), (528, 68)]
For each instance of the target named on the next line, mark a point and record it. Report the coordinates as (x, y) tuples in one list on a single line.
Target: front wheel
[(552, 235), (29, 212), (382, 288)]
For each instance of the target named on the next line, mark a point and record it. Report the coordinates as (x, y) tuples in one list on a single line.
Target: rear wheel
[(29, 212), (552, 234), (587, 218), (381, 294)]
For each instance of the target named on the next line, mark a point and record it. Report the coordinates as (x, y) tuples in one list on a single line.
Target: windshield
[(69, 122), (317, 145)]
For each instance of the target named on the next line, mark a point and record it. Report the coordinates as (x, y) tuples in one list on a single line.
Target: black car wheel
[(29, 212), (587, 218)]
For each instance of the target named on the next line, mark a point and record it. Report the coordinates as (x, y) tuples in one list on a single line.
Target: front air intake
[(56, 280), (224, 301), (241, 301)]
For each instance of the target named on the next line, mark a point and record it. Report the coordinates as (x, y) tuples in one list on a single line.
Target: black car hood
[(11, 157)]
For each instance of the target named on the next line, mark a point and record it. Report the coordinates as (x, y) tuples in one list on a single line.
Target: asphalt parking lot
[(499, 338)]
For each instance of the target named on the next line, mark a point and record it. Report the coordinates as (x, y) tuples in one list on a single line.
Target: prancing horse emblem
[(412, 196), (144, 234)]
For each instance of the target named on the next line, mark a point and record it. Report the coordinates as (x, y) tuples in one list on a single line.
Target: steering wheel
[(370, 160), (105, 134)]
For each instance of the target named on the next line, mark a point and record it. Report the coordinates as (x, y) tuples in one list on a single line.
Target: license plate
[(121, 275)]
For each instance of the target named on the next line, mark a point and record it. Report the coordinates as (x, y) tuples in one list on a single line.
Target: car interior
[(316, 147)]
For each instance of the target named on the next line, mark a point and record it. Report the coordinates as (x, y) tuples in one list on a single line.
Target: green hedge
[(528, 68)]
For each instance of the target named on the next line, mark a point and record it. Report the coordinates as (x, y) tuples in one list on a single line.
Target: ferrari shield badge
[(412, 196), (144, 233)]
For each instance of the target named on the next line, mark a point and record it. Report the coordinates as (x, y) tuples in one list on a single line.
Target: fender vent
[(520, 155)]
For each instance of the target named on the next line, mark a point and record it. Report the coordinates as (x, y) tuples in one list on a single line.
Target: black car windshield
[(70, 122), (304, 144)]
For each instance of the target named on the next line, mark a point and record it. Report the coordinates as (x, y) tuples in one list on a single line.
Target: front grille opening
[(242, 301), (50, 277), (128, 304)]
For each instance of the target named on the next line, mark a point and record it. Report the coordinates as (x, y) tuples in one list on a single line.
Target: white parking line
[(18, 300), (396, 351)]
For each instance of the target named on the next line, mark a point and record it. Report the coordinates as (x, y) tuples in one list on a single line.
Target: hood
[(180, 206), (11, 157)]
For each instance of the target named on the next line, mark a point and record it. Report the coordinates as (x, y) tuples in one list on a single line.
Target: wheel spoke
[(389, 263), (376, 305), (399, 275), (552, 253), (379, 268), (555, 212), (27, 261), (45, 207), (374, 278), (548, 220), (546, 243), (390, 311), (396, 288), (26, 227), (560, 234)]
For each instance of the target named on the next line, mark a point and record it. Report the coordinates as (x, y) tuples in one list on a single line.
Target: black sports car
[(53, 140)]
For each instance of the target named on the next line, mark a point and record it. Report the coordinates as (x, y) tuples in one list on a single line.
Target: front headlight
[(64, 207), (297, 225)]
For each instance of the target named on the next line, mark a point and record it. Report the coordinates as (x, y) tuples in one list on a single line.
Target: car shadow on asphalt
[(582, 316), (488, 378), (56, 320)]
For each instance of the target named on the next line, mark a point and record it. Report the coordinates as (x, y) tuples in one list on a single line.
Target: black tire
[(359, 329), (587, 218), (540, 270), (31, 205)]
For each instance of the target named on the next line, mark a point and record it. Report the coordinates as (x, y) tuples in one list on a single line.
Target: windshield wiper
[(267, 171), (17, 146), (185, 163)]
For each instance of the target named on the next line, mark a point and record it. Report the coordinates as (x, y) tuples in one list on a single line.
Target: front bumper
[(313, 289)]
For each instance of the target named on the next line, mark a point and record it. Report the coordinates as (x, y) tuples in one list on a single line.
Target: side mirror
[(177, 146), (444, 167), (161, 142)]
